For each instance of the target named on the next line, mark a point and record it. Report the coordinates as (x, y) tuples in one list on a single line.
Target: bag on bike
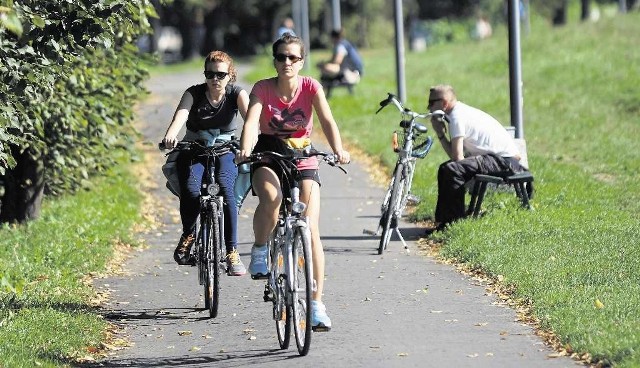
[(170, 171)]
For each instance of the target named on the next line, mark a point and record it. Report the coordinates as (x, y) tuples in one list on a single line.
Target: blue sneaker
[(320, 322), (258, 266)]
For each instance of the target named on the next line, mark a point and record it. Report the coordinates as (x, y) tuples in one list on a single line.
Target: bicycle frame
[(397, 195), (209, 250), (290, 282)]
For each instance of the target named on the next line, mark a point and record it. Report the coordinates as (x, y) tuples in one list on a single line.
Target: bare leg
[(267, 186)]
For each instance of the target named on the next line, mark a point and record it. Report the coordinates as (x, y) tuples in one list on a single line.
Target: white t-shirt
[(481, 133)]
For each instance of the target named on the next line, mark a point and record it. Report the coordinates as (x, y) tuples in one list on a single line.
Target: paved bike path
[(390, 310)]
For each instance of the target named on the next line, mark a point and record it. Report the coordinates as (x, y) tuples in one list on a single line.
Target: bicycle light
[(213, 189), (394, 141), (298, 207)]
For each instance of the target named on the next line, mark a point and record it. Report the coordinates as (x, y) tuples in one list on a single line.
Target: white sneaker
[(258, 266), (320, 322)]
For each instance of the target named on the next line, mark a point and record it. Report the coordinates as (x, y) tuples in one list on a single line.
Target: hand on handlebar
[(343, 156)]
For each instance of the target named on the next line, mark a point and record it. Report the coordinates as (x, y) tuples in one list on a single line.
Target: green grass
[(46, 318), (581, 90)]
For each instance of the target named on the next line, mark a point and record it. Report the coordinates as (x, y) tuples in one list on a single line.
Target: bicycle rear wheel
[(389, 216), (302, 288), (281, 311), (211, 231)]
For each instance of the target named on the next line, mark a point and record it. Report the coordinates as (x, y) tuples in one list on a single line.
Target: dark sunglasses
[(431, 102), (282, 57), (217, 75)]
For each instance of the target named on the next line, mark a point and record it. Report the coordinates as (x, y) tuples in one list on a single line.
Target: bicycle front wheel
[(281, 311), (389, 216), (302, 288), (211, 231)]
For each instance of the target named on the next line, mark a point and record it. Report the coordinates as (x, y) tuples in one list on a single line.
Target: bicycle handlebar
[(392, 99), (233, 145), (330, 158)]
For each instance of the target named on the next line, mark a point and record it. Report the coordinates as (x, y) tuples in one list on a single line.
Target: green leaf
[(38, 21), (11, 22)]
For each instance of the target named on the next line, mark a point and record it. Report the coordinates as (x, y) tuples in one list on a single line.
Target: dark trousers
[(452, 175), (191, 172)]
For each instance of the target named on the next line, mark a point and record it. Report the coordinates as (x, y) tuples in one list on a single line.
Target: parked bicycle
[(409, 151), (209, 252), (290, 281)]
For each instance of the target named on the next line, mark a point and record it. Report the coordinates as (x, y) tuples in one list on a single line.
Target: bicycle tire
[(390, 213), (212, 258), (302, 288), (281, 311)]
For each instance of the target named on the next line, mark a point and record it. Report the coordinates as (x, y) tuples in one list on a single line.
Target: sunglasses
[(216, 75), (431, 102), (282, 57)]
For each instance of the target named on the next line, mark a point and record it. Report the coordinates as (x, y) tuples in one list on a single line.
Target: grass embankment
[(47, 314), (575, 258)]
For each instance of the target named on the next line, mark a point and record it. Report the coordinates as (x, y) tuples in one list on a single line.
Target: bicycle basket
[(422, 149)]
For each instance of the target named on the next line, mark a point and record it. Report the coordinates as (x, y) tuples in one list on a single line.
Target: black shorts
[(275, 144)]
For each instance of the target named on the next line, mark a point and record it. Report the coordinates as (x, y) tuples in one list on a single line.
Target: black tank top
[(204, 116)]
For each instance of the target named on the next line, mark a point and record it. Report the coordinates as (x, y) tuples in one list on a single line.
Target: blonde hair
[(222, 57)]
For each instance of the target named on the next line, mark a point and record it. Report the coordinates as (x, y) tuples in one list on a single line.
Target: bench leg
[(521, 192), (477, 196)]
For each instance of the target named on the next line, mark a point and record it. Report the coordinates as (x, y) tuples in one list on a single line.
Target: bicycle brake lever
[(385, 102)]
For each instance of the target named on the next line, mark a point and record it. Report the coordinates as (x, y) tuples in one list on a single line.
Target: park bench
[(328, 84), (521, 183)]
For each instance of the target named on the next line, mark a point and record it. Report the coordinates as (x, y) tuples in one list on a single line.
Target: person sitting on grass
[(477, 144), (345, 64)]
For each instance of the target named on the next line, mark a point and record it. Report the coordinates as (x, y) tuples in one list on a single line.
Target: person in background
[(476, 144), (287, 26), (345, 64), (209, 110), (280, 118)]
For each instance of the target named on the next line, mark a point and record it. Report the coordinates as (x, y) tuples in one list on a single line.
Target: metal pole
[(304, 16), (515, 74), (335, 14), (296, 15), (397, 13)]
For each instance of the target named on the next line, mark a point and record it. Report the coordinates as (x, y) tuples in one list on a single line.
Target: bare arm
[(329, 126), (251, 128), (179, 119), (243, 104)]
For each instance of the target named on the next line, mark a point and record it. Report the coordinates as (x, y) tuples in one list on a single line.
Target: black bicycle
[(290, 280), (399, 192), (209, 252)]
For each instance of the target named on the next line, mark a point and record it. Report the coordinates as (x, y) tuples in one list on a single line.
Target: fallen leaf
[(598, 304), (403, 354), (184, 333), (195, 348)]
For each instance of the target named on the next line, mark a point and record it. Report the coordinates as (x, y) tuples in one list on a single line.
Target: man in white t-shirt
[(476, 144)]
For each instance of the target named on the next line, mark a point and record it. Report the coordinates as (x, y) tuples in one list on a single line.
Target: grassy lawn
[(47, 307), (574, 259)]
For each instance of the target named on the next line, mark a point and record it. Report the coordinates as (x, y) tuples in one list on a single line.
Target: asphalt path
[(398, 309)]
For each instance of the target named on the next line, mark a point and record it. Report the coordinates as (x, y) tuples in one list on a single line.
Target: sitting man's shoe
[(320, 322), (258, 266), (234, 264), (182, 254)]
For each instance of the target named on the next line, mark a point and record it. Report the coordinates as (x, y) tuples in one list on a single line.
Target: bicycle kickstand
[(406, 246)]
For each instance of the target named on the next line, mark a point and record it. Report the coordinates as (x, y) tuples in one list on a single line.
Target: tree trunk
[(23, 189), (560, 15), (585, 9)]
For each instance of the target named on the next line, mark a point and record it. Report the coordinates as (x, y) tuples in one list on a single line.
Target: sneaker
[(182, 254), (258, 266), (234, 264), (320, 322)]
